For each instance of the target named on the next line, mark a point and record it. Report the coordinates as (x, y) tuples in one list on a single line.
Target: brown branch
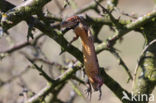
[(22, 45), (2, 83)]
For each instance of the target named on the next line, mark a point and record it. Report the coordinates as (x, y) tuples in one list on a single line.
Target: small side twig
[(90, 6), (44, 74), (22, 45), (122, 63)]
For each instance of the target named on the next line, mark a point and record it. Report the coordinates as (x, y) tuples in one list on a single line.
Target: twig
[(16, 47), (76, 89), (108, 12), (122, 63), (141, 20), (39, 94), (90, 6), (133, 16), (44, 74), (56, 92), (141, 57), (46, 62), (22, 45), (2, 83)]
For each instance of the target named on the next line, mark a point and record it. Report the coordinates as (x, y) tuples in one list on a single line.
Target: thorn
[(30, 34), (30, 29), (62, 51)]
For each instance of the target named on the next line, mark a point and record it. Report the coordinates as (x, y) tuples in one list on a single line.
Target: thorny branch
[(122, 63), (40, 69)]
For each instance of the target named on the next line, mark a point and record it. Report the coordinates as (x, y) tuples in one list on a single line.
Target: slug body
[(90, 59)]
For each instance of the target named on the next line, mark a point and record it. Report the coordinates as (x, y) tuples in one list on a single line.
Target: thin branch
[(39, 94), (141, 57), (141, 20), (76, 89), (90, 6), (49, 63), (15, 48), (40, 69), (14, 77), (56, 92), (122, 63), (22, 45)]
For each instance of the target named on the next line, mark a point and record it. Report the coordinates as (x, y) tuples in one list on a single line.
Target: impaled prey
[(90, 59)]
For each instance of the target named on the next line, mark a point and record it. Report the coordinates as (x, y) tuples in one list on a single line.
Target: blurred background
[(130, 48)]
